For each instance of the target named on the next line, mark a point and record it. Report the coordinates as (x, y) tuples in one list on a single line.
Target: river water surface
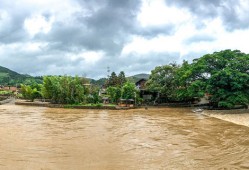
[(169, 138)]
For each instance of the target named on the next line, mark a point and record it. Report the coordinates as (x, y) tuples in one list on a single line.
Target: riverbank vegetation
[(77, 90), (223, 77), (60, 89), (5, 93)]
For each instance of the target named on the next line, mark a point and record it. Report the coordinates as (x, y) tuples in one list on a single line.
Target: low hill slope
[(12, 78)]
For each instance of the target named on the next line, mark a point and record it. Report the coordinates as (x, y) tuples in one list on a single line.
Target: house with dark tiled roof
[(144, 93)]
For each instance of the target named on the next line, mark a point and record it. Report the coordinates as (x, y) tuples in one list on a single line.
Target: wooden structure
[(140, 84), (105, 100), (126, 103), (145, 94)]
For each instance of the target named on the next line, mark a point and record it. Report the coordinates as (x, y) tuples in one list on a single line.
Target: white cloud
[(177, 43), (89, 57), (92, 57), (38, 24), (142, 45), (33, 47), (156, 13)]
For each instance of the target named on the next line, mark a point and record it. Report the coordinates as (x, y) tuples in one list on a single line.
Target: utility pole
[(108, 72)]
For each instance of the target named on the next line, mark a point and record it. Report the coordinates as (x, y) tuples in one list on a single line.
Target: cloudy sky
[(82, 37)]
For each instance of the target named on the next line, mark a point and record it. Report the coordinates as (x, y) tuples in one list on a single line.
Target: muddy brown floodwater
[(50, 139)]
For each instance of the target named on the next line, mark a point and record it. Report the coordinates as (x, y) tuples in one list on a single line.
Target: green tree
[(224, 75), (93, 96), (114, 94), (129, 91), (113, 80), (188, 84), (64, 89), (163, 80), (49, 89), (121, 79), (30, 93)]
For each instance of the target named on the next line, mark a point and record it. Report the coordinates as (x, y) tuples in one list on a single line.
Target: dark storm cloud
[(234, 18), (12, 18), (12, 35), (230, 11), (33, 62), (107, 28), (99, 26), (104, 27), (204, 8)]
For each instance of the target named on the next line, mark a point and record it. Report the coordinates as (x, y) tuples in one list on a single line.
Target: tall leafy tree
[(188, 84), (113, 80), (31, 92), (224, 75), (64, 89), (114, 93), (121, 79), (129, 91), (163, 80)]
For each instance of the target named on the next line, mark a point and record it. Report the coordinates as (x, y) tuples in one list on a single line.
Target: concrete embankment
[(8, 100), (38, 104), (47, 104), (240, 116)]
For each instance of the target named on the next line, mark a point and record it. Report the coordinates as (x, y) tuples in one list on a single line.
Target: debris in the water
[(197, 110)]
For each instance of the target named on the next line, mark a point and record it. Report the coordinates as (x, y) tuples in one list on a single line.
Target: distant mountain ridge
[(12, 78), (137, 77), (133, 79), (142, 76), (9, 77), (8, 71)]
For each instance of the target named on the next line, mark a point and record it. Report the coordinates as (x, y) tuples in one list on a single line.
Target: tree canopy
[(64, 89), (115, 80), (163, 80), (121, 79), (223, 75), (129, 91)]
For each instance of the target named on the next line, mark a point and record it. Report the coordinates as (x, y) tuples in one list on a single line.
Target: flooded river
[(50, 139)]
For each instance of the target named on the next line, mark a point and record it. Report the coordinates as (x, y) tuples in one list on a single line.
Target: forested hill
[(12, 78), (132, 79), (137, 77)]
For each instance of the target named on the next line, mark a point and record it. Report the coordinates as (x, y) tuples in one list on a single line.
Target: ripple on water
[(169, 138)]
